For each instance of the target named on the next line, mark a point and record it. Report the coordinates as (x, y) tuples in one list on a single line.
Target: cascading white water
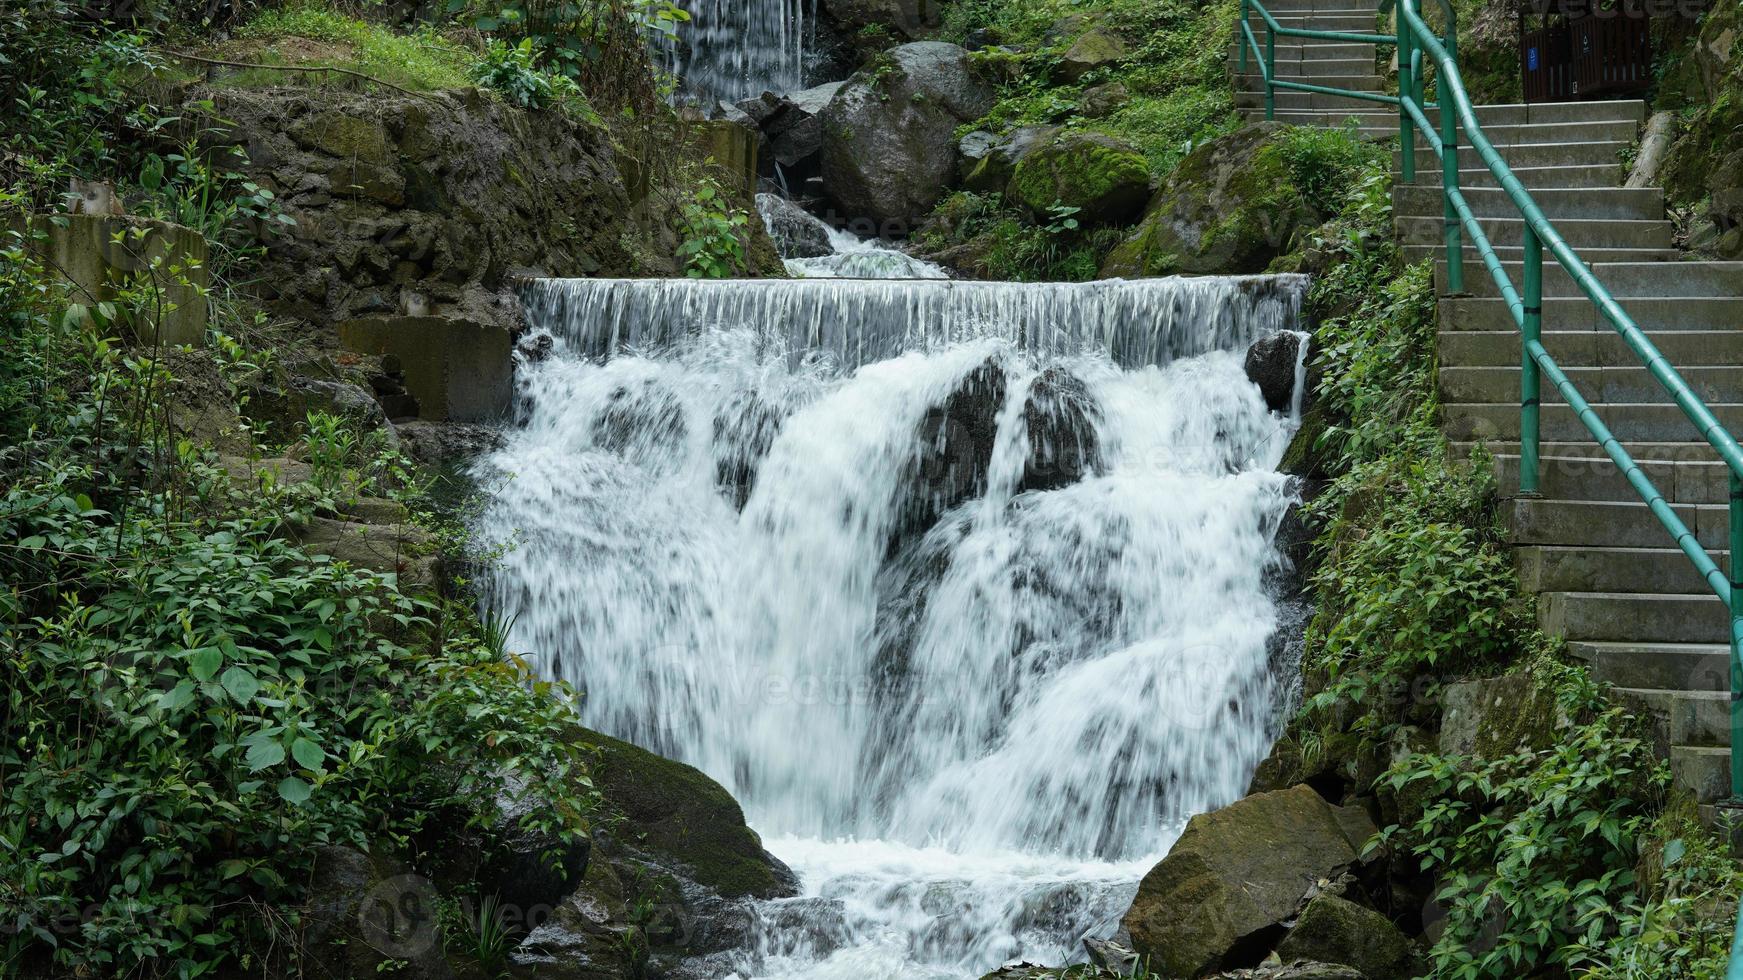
[(732, 50), (970, 719), (849, 256)]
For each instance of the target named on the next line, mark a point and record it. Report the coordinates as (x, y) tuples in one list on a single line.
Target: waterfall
[(732, 50), (960, 588)]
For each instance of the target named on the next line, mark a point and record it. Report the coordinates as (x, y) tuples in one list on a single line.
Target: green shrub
[(713, 232)]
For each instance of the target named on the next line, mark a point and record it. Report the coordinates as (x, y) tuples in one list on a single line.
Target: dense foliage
[(193, 704)]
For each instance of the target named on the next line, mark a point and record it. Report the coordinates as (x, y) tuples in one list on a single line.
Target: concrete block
[(458, 370), (101, 254)]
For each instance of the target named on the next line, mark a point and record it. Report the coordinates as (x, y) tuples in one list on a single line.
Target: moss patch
[(1103, 178)]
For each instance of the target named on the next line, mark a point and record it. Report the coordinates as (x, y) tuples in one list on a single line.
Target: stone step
[(1315, 101), (1309, 69), (1703, 770), (1292, 51), (1591, 348), (1252, 83), (1502, 137), (1587, 449), (1683, 717), (1499, 383), (1571, 314), (1280, 7), (1627, 203), (1592, 475), (1621, 279), (1630, 112), (1350, 21), (1558, 154), (1574, 568), (1534, 178), (1618, 617), (1614, 524), (1646, 422), (1672, 666), (1581, 233), (1515, 254)]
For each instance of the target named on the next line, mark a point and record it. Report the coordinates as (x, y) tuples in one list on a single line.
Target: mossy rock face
[(1097, 48), (1335, 930), (1230, 207), (676, 812), (1106, 180)]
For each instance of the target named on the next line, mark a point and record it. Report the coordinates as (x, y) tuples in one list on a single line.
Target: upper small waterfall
[(860, 321), (736, 49)]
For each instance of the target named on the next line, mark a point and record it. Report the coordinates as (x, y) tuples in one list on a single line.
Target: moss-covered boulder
[(675, 812), (1231, 206), (1105, 179), (1704, 168), (1097, 48), (992, 170), (1234, 877), (1336, 930)]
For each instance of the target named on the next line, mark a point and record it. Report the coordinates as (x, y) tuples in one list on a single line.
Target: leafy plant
[(714, 233), (512, 71)]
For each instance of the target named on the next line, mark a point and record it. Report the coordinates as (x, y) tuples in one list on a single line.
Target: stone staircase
[(1605, 572)]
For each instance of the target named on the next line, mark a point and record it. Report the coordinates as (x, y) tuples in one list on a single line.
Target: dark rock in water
[(797, 233), (743, 432), (889, 135), (643, 423), (1271, 365), (1222, 895), (536, 348), (1113, 955), (439, 443), (1336, 930), (956, 449), (1061, 417)]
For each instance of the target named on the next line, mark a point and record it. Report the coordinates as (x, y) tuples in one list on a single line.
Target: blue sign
[(1531, 59)]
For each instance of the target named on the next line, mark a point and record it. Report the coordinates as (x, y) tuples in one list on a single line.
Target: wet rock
[(1061, 417), (1112, 955), (642, 422), (1222, 895), (1331, 929), (796, 232), (889, 135), (686, 820), (956, 439), (744, 430), (1271, 363), (287, 408), (536, 349), (992, 173), (529, 869), (791, 131), (447, 443), (1105, 179)]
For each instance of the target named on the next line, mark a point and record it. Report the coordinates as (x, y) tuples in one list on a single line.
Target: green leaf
[(307, 754), (206, 662), (1673, 852), (264, 754), (293, 790), (241, 684)]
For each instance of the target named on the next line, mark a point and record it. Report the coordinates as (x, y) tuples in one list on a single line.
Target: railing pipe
[(1530, 383), (1736, 581), (1406, 126), (1270, 67)]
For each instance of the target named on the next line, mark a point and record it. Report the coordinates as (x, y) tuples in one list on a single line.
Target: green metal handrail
[(1416, 42)]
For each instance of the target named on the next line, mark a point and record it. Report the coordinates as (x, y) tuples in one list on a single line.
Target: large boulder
[(1231, 206), (1061, 417), (993, 166), (1332, 929), (1224, 892), (366, 914), (908, 19), (956, 439), (1105, 179), (889, 135), (797, 233)]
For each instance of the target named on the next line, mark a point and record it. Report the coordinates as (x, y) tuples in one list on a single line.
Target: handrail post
[(1736, 616), (1241, 35), (1270, 71), (1449, 170), (1530, 375), (1406, 127)]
